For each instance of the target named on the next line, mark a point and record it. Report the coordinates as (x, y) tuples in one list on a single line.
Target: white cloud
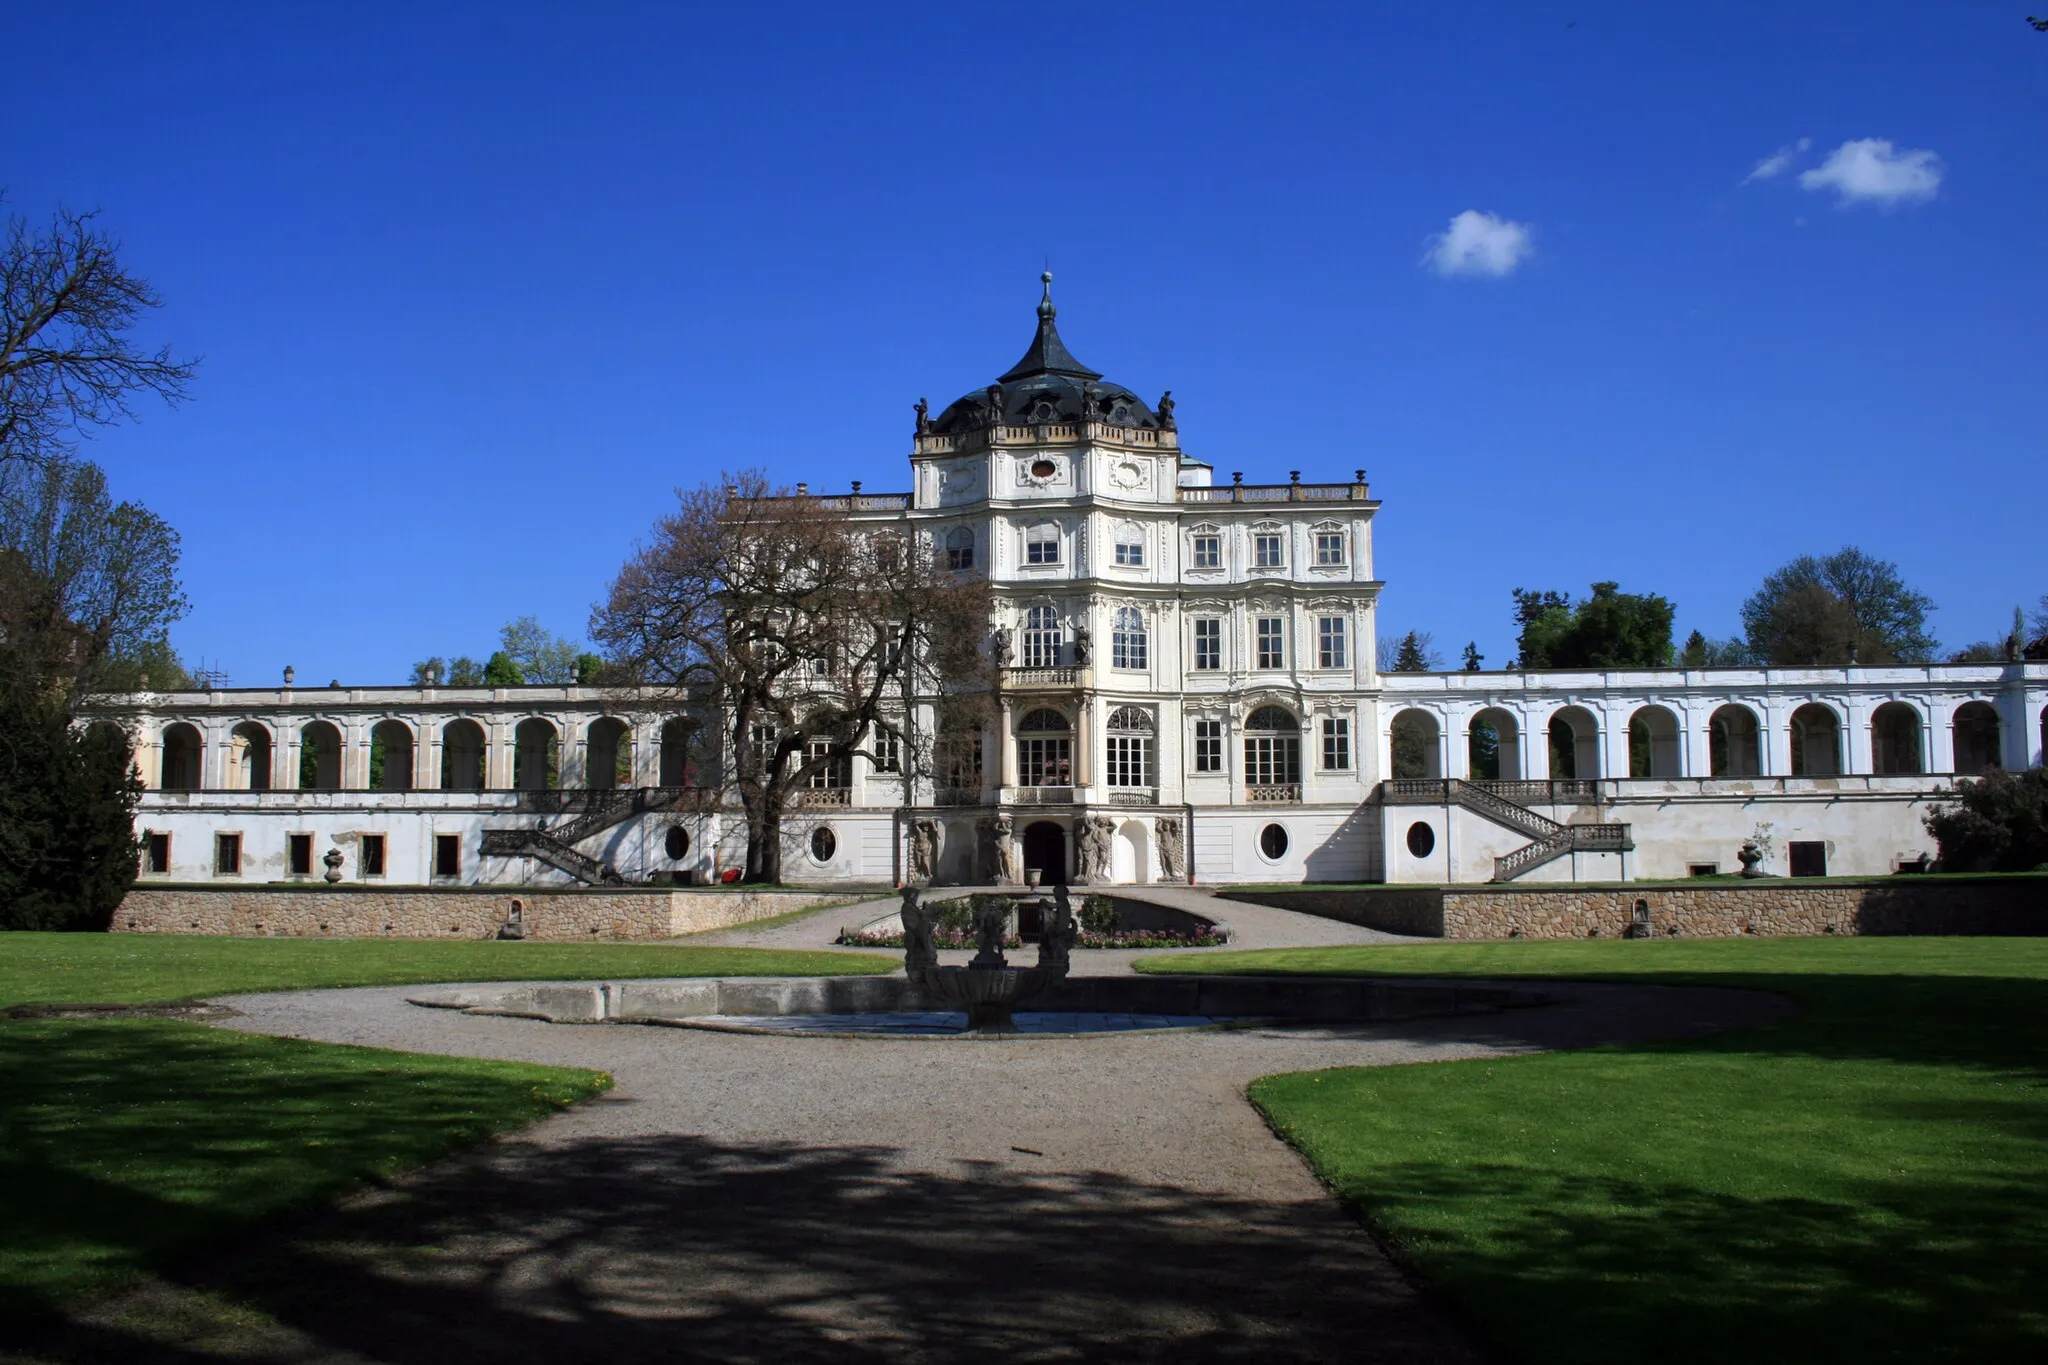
[(1778, 162), (1480, 244), (1871, 171)]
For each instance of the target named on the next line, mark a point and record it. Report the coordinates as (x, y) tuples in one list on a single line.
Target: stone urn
[(1749, 855), (333, 861), (988, 989)]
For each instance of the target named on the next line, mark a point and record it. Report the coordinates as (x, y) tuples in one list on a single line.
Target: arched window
[(1127, 640), (1976, 730), (181, 759), (1045, 749), (1272, 755), (1130, 747), (1734, 743), (1653, 749), (1130, 546), (1816, 742), (607, 754), (1895, 741), (677, 769), (1416, 753), (1044, 637), (249, 757), (320, 757), (463, 766), (959, 548), (535, 764), (391, 756)]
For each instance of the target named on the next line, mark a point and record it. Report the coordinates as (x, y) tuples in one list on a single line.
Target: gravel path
[(773, 1199)]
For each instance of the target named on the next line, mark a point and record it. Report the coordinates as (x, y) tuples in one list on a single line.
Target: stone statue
[(919, 955), (999, 645), (999, 851), (1166, 829), (995, 404), (1057, 931), (924, 850), (924, 417), (1166, 411), (1082, 641), (1093, 838), (991, 927)]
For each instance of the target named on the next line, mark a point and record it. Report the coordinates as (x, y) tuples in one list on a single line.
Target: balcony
[(1042, 796), (1276, 792), (1294, 491), (1045, 433), (1028, 679), (814, 797), (1134, 796), (957, 796)]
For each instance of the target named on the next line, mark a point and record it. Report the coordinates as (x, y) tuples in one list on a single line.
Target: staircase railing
[(1497, 801), (599, 810)]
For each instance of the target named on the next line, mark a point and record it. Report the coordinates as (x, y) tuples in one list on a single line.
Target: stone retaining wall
[(554, 914), (1891, 905)]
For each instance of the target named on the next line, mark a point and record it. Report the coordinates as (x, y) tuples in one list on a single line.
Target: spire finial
[(1045, 308)]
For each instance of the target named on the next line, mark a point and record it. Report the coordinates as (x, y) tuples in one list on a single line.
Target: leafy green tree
[(1702, 652), (1610, 629), (1414, 652), (1838, 609), (68, 795), (429, 670), (590, 668), (541, 657), (150, 665), (1994, 823), (501, 670), (1473, 658), (464, 671)]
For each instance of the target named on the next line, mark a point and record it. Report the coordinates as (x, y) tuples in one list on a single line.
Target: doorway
[(1045, 848)]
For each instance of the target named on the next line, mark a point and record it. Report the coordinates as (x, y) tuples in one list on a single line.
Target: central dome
[(1047, 385)]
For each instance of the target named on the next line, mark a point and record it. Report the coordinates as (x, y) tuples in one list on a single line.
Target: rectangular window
[(1042, 545), (300, 848), (1208, 643), (1702, 869), (372, 861), (1268, 550), (1208, 746), (1336, 744), (1809, 858), (1130, 761), (1330, 642), (1044, 762), (1330, 548), (447, 855), (1207, 552), (832, 774), (227, 855), (1130, 553), (159, 853), (1272, 636), (1127, 643), (888, 753)]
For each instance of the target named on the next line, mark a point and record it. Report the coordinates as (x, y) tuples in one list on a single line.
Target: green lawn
[(138, 968), (127, 1143), (1865, 1181)]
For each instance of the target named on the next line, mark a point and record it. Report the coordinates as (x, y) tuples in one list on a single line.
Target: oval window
[(1043, 469), (1421, 839), (823, 844), (678, 843), (1273, 842)]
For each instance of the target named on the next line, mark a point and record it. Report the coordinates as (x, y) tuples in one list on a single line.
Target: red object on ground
[(729, 876)]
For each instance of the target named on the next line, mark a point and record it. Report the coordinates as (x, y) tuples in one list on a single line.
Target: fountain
[(988, 988)]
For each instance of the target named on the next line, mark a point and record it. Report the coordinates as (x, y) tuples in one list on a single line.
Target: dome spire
[(1048, 354)]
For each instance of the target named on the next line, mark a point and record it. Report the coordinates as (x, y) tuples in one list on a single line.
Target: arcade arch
[(1895, 741), (1417, 754), (1816, 741), (535, 756), (464, 766), (1734, 742), (1493, 746), (608, 754), (1653, 744), (1976, 737), (1574, 744), (319, 757), (391, 756), (183, 762), (249, 753)]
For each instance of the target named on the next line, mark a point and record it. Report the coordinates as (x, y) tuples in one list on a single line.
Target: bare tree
[(66, 360), (815, 638)]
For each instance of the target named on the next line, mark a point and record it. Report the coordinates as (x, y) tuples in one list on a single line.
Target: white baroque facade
[(1188, 692)]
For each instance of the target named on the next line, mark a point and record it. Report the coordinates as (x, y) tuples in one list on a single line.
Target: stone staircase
[(1501, 802), (596, 811)]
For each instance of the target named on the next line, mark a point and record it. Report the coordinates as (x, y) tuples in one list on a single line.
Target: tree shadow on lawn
[(1609, 1269), (668, 1248)]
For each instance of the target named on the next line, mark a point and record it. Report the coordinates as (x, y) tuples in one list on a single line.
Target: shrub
[(67, 819), (1099, 915), (1994, 823)]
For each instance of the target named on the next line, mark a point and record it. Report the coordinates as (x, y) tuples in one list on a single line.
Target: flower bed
[(1120, 938)]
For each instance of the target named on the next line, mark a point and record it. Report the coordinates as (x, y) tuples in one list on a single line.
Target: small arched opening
[(535, 757), (1416, 753), (320, 757), (1653, 747), (391, 756), (1816, 741), (608, 755), (1895, 741), (183, 758), (249, 757), (1494, 747), (1976, 729), (1129, 855), (1734, 743), (463, 767), (1045, 851), (1574, 744)]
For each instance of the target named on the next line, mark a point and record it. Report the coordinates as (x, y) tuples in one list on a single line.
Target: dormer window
[(1130, 547), (1042, 544)]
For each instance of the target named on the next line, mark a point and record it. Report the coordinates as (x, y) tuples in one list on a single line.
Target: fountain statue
[(988, 988)]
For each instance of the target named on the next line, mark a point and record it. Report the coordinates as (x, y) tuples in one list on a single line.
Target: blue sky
[(476, 287)]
